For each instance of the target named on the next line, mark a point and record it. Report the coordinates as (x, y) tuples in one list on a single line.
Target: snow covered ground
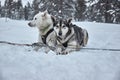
[(23, 63)]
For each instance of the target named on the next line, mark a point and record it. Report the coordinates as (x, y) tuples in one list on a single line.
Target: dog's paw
[(62, 53), (58, 51), (47, 50)]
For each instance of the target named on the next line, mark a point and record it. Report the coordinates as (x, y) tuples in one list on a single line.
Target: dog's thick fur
[(44, 22), (69, 37)]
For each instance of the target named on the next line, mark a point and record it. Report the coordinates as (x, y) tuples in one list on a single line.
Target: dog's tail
[(85, 38)]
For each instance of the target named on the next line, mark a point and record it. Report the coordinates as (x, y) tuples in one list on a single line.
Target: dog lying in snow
[(69, 36), (44, 22)]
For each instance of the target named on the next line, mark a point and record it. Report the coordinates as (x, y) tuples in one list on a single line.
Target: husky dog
[(69, 36), (44, 22)]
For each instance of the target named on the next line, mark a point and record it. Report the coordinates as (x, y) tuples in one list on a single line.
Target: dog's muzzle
[(60, 33), (30, 24)]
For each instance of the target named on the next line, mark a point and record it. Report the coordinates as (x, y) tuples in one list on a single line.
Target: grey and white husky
[(69, 36)]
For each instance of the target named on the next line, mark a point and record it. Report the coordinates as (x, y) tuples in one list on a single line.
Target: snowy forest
[(106, 11)]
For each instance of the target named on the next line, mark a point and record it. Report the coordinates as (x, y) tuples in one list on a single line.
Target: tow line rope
[(43, 45)]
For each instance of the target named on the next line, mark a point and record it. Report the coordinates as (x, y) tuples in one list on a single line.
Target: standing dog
[(69, 37), (44, 22)]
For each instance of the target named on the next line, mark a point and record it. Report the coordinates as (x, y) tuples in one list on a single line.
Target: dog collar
[(45, 36)]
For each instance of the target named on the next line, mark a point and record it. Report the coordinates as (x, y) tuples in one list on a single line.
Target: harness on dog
[(45, 36), (65, 44)]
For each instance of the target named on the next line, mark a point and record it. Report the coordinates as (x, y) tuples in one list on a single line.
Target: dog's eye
[(64, 27), (57, 26), (35, 18)]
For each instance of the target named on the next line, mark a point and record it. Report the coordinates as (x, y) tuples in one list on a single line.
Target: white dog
[(44, 22)]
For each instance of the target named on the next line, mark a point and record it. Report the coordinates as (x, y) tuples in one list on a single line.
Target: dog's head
[(41, 19), (62, 27)]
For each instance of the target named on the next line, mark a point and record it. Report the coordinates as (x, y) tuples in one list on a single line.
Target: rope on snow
[(10, 43), (101, 49), (53, 48)]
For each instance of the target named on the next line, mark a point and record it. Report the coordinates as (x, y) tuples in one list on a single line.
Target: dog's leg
[(66, 51), (72, 46), (61, 50), (47, 50), (58, 50), (37, 45)]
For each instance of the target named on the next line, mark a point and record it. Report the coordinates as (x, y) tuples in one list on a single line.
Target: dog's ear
[(54, 20), (45, 13), (69, 20)]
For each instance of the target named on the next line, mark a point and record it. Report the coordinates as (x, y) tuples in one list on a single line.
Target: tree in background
[(0, 8), (89, 13), (107, 11), (13, 9), (68, 10), (20, 10), (35, 6), (28, 12), (8, 6), (59, 8), (80, 10), (116, 11)]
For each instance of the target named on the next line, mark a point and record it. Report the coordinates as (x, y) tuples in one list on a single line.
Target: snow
[(90, 3), (111, 11), (23, 63)]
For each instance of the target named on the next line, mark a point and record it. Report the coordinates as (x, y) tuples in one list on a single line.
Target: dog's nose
[(29, 24), (60, 33)]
